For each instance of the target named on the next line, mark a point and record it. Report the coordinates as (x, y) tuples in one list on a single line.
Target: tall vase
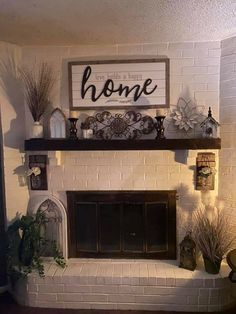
[(210, 266), (37, 130)]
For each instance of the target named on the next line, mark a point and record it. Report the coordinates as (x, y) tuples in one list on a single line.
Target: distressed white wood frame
[(36, 201), (57, 124), (126, 72)]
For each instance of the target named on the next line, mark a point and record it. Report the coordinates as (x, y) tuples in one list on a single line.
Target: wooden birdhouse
[(209, 126)]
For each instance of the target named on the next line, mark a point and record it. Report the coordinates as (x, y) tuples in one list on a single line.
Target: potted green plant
[(38, 86), (214, 238), (26, 246)]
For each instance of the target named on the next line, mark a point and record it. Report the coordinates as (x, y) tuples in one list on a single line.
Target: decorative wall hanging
[(53, 221), (57, 124), (209, 126), (38, 172), (205, 172), (130, 125), (186, 115), (120, 84)]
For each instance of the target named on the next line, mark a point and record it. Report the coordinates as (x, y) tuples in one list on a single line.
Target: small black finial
[(209, 112)]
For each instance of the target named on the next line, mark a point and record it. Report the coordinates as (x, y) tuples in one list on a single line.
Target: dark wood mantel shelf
[(142, 144)]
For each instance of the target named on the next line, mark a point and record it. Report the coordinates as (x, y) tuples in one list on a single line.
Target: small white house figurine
[(209, 126)]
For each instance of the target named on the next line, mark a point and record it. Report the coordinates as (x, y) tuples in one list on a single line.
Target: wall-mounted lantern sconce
[(38, 172), (205, 172)]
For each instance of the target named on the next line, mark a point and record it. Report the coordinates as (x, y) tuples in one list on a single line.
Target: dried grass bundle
[(38, 86), (214, 237)]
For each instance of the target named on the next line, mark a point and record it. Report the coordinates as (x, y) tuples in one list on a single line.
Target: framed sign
[(119, 84)]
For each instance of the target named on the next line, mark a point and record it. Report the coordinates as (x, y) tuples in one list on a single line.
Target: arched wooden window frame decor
[(51, 202), (62, 126)]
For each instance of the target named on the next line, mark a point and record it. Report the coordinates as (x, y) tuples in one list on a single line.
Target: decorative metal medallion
[(130, 125)]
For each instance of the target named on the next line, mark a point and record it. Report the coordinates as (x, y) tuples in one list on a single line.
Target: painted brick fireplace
[(118, 283)]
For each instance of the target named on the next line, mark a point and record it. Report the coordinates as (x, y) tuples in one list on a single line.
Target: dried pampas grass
[(38, 86), (214, 237)]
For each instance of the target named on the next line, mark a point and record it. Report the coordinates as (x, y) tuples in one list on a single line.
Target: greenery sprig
[(26, 246)]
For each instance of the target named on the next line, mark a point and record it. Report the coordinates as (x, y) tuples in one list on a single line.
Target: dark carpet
[(9, 306)]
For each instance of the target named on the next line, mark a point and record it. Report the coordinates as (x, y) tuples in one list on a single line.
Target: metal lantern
[(188, 253), (209, 126)]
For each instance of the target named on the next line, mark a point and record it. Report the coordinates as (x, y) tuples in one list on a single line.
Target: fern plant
[(26, 246)]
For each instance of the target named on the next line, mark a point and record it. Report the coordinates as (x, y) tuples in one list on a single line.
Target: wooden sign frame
[(119, 84)]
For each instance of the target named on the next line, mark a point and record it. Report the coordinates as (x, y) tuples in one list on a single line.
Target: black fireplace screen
[(122, 224)]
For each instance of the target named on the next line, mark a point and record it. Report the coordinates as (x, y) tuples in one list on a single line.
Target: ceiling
[(70, 22)]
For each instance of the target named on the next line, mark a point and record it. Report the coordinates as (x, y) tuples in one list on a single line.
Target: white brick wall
[(194, 74), (227, 161)]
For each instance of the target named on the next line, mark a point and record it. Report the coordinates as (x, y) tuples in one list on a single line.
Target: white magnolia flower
[(185, 116), (206, 171), (34, 170)]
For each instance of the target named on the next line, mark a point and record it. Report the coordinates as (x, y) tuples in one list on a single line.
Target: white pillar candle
[(74, 114), (160, 112)]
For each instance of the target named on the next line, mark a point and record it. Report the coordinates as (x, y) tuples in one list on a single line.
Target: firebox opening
[(127, 224)]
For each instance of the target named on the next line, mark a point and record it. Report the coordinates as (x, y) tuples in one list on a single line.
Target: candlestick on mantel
[(73, 129), (160, 127), (161, 112), (74, 114)]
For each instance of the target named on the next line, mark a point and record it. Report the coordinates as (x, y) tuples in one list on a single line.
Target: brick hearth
[(127, 284)]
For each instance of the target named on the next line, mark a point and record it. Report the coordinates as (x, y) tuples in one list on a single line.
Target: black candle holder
[(73, 129), (160, 127)]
